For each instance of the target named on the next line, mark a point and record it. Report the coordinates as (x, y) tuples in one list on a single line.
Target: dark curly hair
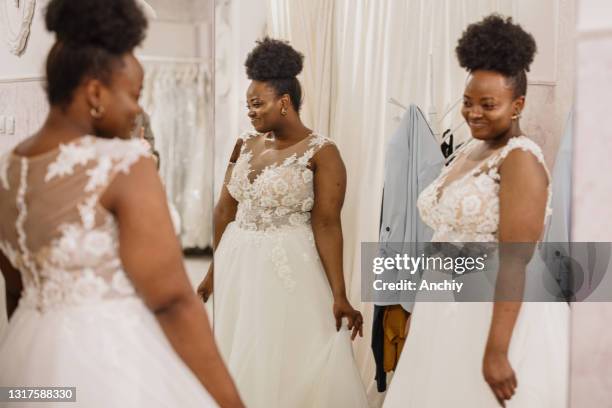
[(91, 37), (276, 63), (499, 45)]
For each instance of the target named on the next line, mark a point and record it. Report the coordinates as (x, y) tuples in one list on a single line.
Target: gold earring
[(516, 116), (97, 112), (284, 111)]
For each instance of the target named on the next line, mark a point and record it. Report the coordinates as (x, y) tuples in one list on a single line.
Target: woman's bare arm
[(522, 198), (329, 190), (223, 213), (152, 258)]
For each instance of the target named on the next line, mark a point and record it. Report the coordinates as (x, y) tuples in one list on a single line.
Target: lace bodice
[(467, 209), (52, 228), (273, 191)]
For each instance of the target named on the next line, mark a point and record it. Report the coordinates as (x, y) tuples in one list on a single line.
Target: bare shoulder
[(136, 186), (327, 156), (524, 167), (522, 196), (236, 151)]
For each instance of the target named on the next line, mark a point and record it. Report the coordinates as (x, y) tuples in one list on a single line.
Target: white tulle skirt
[(274, 323), (441, 362), (113, 352)]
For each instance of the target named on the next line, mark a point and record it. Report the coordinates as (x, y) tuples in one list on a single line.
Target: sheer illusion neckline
[(265, 138), (279, 162), (442, 186), (49, 153)]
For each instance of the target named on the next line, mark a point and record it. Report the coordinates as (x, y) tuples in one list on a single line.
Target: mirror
[(365, 64), (177, 97)]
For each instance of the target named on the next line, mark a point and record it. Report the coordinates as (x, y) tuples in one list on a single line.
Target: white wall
[(21, 94), (550, 95), (182, 10), (170, 39), (540, 18), (591, 384), (594, 15), (172, 34), (179, 31), (31, 63)]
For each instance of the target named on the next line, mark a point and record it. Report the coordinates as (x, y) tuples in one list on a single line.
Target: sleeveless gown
[(273, 303), (441, 363), (79, 322)]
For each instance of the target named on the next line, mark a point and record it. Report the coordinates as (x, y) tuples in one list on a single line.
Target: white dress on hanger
[(441, 363), (80, 322), (273, 303)]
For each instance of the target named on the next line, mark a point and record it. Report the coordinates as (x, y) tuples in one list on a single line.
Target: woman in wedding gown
[(98, 297), (278, 280), (497, 190)]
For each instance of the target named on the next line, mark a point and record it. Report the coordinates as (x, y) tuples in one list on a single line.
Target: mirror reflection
[(385, 86)]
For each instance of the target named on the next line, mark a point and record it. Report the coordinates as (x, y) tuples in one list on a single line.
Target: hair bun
[(114, 25), (273, 59), (496, 44)]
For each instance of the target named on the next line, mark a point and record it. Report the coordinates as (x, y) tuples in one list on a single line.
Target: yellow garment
[(394, 327)]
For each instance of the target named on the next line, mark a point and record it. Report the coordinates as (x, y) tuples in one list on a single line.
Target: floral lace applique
[(98, 176), (281, 195), (279, 258), (70, 156), (468, 208), (278, 198), (82, 264)]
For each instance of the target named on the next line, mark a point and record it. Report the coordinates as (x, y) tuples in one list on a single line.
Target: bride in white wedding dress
[(279, 296), (97, 293), (497, 189)]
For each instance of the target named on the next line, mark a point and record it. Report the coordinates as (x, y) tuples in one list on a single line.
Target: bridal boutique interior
[(365, 64), (177, 98)]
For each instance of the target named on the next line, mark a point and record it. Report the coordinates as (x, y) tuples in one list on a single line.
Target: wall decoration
[(17, 30)]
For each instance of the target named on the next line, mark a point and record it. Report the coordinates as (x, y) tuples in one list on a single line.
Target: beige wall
[(591, 384), (179, 31), (548, 106)]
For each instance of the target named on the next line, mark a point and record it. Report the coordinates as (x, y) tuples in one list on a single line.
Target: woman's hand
[(342, 308), (498, 373), (205, 289)]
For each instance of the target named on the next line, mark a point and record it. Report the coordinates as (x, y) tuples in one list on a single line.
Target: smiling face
[(121, 100), (265, 106), (489, 104)]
